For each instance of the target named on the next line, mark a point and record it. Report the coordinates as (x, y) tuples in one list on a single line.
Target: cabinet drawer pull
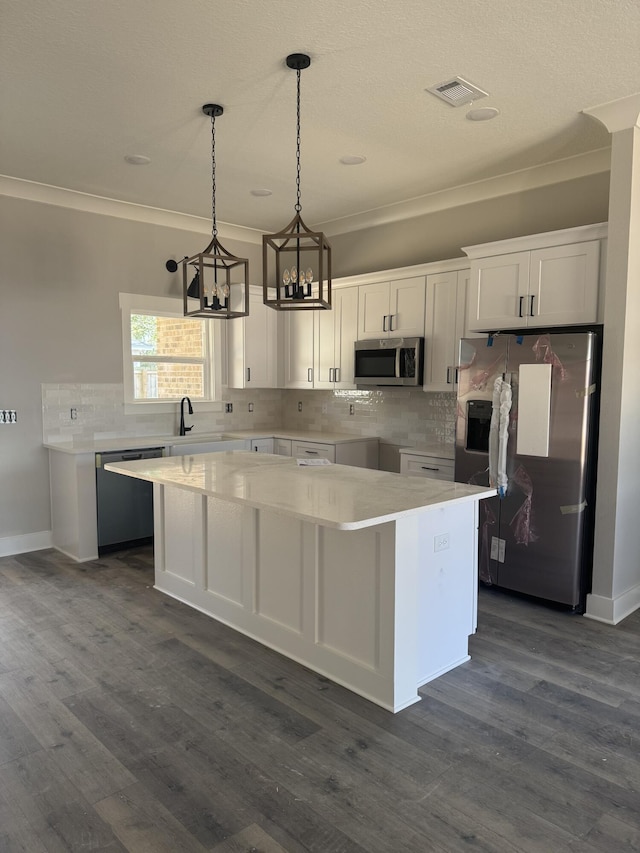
[(531, 314), (521, 300), (312, 452), (427, 468)]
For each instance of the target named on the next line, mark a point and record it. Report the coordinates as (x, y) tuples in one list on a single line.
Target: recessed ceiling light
[(261, 192), (352, 159), (137, 159), (483, 114)]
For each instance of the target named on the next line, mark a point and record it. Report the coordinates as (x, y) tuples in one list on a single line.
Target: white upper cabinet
[(252, 346), (547, 285), (298, 348), (318, 345), (391, 309), (335, 334), (445, 315)]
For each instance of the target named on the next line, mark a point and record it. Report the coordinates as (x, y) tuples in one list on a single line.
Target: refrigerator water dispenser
[(478, 423)]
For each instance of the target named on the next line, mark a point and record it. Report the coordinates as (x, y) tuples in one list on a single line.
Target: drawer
[(313, 450), (433, 467)]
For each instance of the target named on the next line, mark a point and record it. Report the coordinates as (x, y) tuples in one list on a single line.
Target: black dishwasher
[(124, 504)]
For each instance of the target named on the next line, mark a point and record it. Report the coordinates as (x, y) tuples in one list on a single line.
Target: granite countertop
[(129, 442), (300, 435), (132, 442), (336, 496)]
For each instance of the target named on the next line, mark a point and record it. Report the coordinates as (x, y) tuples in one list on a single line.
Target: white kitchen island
[(367, 577)]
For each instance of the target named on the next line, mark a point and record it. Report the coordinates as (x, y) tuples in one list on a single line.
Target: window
[(167, 356)]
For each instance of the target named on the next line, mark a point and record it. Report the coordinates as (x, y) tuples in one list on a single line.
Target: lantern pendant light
[(296, 262), (215, 283)]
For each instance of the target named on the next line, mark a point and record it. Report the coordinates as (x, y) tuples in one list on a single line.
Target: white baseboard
[(10, 545), (613, 610)]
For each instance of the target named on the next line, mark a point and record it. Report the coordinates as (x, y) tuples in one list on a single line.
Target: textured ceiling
[(85, 82)]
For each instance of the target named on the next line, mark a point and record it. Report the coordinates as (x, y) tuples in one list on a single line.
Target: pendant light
[(296, 262), (215, 283)]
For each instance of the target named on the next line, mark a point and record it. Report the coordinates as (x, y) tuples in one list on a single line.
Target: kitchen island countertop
[(338, 496)]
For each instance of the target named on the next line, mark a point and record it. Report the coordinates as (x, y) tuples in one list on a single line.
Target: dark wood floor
[(129, 722)]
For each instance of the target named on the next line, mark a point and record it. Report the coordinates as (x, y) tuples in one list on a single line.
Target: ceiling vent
[(457, 92)]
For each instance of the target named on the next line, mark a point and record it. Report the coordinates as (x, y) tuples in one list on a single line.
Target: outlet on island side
[(441, 542)]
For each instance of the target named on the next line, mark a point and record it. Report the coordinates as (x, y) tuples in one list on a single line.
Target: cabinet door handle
[(310, 374), (520, 306), (391, 316), (248, 374), (331, 374), (427, 468), (531, 314), (384, 323), (448, 376), (336, 374)]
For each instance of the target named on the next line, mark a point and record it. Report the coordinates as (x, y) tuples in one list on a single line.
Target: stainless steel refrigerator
[(527, 423)]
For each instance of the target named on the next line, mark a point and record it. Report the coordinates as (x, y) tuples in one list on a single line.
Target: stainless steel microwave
[(389, 361)]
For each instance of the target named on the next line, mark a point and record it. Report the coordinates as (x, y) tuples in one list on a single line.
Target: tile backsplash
[(402, 417)]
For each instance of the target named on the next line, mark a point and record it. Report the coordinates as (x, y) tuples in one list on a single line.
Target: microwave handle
[(398, 351)]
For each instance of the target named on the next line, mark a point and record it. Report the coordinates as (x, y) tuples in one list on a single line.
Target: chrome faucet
[(185, 429)]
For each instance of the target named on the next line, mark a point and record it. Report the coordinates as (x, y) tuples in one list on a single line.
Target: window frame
[(212, 361)]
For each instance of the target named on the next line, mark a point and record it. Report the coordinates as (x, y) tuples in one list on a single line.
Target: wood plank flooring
[(129, 722)]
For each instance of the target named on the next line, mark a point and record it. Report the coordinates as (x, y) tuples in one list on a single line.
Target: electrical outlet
[(74, 414), (250, 407), (299, 406), (441, 542), (228, 407)]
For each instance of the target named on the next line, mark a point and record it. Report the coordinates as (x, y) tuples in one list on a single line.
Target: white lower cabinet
[(262, 445), (282, 446), (313, 450), (432, 467)]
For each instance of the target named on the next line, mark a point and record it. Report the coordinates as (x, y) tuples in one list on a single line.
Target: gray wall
[(438, 236), (61, 271)]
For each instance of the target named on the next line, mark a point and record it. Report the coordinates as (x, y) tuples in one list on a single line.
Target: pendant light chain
[(298, 206), (213, 176)]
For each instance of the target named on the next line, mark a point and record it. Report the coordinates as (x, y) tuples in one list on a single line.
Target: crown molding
[(591, 163), (570, 168), (622, 114), (87, 203)]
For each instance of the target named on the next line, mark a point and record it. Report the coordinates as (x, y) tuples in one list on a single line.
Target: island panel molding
[(333, 566)]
